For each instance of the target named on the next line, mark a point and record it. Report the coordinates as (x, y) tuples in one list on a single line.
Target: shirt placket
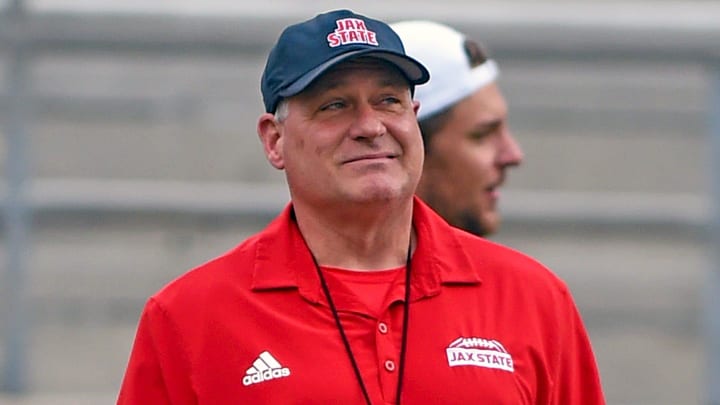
[(388, 338)]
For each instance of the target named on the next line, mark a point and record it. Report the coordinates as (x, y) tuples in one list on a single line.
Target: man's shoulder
[(233, 267), (492, 261), (500, 262)]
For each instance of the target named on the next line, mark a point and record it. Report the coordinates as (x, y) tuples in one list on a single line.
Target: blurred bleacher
[(144, 162)]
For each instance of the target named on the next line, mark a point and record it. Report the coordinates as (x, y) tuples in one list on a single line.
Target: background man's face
[(466, 162)]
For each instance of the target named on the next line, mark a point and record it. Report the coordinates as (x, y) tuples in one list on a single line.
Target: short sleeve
[(577, 380), (157, 372)]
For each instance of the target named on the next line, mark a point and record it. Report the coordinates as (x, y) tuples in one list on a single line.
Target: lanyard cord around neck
[(346, 342)]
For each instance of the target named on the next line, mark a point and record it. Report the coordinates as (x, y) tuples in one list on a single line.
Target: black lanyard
[(346, 342)]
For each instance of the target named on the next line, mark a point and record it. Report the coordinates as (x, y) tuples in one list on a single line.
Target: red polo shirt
[(487, 325)]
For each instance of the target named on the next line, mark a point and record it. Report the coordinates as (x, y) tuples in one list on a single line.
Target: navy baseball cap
[(308, 49)]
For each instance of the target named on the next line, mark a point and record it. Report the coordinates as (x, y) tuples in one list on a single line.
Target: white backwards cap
[(455, 72)]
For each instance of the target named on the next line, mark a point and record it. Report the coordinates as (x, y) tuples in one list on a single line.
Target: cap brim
[(413, 70)]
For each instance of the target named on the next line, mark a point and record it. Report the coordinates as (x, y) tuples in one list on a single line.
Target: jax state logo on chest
[(479, 352), (351, 31)]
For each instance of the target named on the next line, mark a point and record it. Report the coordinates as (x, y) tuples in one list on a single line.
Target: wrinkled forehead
[(385, 73)]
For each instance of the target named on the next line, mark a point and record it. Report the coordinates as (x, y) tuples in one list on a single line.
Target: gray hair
[(282, 110)]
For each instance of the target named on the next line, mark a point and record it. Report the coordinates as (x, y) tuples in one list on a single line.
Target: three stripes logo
[(265, 368)]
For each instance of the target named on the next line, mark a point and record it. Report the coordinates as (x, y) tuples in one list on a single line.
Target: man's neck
[(369, 239)]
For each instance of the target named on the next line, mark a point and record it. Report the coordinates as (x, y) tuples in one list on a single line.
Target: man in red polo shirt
[(357, 293)]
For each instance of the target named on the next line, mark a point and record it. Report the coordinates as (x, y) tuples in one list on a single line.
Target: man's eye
[(480, 135), (335, 105), (485, 131)]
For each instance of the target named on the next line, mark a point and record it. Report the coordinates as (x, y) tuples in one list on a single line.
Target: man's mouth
[(371, 156)]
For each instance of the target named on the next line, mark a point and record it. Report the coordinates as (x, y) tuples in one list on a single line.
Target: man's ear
[(270, 135), (416, 106)]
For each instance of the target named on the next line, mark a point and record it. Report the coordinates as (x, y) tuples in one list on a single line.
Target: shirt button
[(389, 365), (382, 327)]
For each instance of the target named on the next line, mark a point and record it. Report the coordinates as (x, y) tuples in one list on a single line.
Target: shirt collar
[(283, 260)]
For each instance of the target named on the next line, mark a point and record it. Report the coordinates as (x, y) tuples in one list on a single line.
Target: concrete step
[(585, 125)]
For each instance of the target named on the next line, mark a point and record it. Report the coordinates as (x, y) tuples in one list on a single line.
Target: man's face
[(466, 161), (351, 137)]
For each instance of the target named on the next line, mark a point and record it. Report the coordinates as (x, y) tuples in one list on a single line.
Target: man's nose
[(367, 123), (511, 153)]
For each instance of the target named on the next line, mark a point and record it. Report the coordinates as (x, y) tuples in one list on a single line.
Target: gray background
[(143, 162)]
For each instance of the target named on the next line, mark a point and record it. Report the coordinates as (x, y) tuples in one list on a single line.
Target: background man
[(464, 121)]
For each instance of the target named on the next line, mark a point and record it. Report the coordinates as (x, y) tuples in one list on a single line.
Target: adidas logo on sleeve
[(265, 368)]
